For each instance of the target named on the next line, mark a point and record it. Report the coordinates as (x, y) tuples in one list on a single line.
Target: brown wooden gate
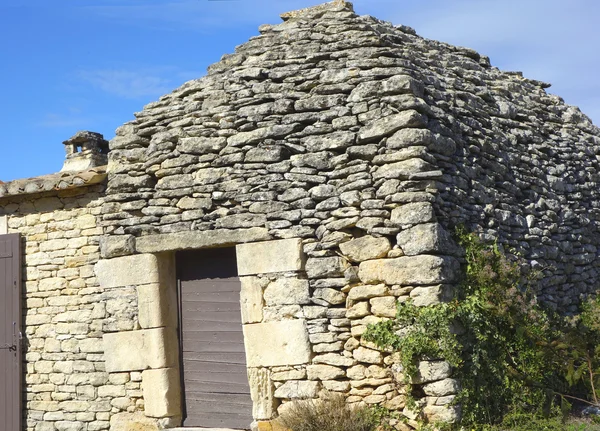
[(10, 327), (213, 362)]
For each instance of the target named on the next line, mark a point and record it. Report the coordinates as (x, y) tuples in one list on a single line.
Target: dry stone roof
[(331, 123)]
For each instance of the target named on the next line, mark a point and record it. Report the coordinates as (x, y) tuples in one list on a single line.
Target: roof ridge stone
[(316, 11)]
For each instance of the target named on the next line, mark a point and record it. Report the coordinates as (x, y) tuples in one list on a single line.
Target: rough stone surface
[(298, 389), (365, 248), (277, 343), (270, 256), (162, 392), (410, 270), (140, 350), (128, 271), (287, 291)]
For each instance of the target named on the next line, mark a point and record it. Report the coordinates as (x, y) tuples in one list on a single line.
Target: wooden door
[(10, 327), (214, 378)]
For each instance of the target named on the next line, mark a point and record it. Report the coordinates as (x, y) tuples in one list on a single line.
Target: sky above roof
[(89, 65)]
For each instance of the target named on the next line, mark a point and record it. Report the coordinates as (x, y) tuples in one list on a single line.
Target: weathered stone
[(442, 388), (324, 372), (358, 310), (383, 307), (199, 239), (298, 389), (132, 422), (325, 267), (425, 296), (365, 248), (367, 291), (409, 138), (129, 270), (276, 343), (162, 392), (270, 256), (413, 213), (426, 238), (388, 125), (116, 246), (410, 270), (264, 405), (402, 170), (449, 414), (431, 371), (287, 291), (157, 305), (369, 356), (334, 359), (251, 298), (329, 295), (199, 145), (140, 350)]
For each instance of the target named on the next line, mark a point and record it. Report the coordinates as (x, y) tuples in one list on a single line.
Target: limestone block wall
[(67, 386)]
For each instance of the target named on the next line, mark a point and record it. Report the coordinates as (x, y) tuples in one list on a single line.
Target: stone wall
[(337, 153), (66, 313)]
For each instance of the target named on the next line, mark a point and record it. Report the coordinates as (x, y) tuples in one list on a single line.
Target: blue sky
[(69, 65)]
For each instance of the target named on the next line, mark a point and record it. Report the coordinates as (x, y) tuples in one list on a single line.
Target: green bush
[(514, 358), (330, 413)]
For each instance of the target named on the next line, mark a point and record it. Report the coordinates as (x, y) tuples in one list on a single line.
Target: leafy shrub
[(330, 413), (514, 358)]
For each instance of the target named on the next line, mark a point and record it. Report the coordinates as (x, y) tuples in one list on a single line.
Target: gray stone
[(388, 125), (324, 372), (426, 238), (270, 256), (410, 270), (199, 239), (287, 291), (324, 267), (413, 213), (365, 248), (276, 343), (298, 389), (442, 388)]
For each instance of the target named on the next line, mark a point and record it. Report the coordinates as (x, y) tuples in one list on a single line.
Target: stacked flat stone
[(370, 143), (331, 122), (360, 146)]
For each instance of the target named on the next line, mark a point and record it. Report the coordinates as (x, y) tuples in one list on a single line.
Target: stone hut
[(249, 226)]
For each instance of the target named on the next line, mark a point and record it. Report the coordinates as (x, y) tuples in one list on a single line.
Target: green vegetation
[(521, 366)]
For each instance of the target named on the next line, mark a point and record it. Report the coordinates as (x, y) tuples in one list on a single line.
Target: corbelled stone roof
[(330, 122)]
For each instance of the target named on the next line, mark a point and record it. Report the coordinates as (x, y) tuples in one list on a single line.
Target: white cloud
[(133, 83), (61, 120)]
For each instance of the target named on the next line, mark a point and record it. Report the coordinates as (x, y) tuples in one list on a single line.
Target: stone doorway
[(215, 388)]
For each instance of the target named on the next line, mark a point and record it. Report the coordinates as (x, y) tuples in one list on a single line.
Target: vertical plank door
[(214, 377), (10, 327)]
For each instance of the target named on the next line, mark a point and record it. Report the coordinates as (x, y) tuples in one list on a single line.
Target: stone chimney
[(85, 150)]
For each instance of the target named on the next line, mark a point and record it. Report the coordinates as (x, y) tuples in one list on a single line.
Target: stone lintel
[(162, 392), (277, 343), (199, 239), (270, 256), (140, 350)]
